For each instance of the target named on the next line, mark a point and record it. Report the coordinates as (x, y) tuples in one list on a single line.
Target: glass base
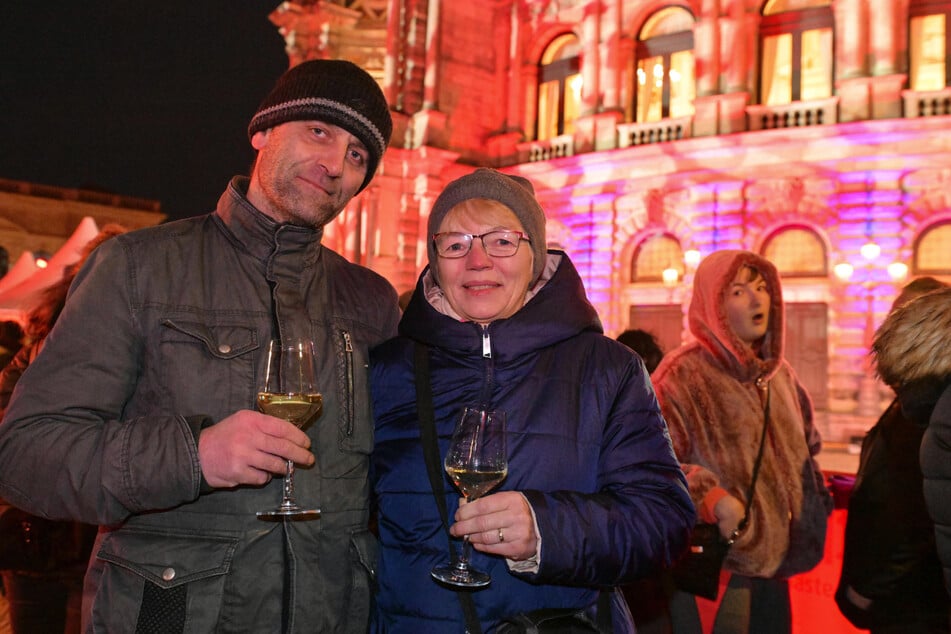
[(289, 511), (460, 576)]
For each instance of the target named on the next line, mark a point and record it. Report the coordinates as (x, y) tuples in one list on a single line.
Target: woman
[(594, 496), (714, 392)]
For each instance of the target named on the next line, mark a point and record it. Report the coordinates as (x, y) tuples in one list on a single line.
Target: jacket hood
[(909, 345), (708, 321), (549, 316)]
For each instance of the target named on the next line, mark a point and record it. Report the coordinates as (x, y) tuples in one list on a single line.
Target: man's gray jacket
[(164, 333)]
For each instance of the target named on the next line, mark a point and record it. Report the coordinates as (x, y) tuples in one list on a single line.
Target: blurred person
[(48, 598), (11, 340), (138, 414), (645, 345), (909, 353), (891, 581), (594, 496), (648, 598), (714, 394)]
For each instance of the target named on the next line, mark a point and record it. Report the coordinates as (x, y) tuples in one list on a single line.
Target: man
[(137, 415)]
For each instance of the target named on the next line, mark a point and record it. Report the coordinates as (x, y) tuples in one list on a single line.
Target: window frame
[(663, 46), (795, 23), (559, 70), (923, 8)]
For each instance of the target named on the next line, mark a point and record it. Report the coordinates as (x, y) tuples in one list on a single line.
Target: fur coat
[(712, 393), (911, 355)]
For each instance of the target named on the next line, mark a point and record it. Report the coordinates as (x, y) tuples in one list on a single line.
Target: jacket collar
[(556, 311), (258, 233)]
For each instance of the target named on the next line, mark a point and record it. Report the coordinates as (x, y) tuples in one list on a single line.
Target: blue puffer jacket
[(587, 446)]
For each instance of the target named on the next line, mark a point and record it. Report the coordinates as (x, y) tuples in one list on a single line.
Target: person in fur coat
[(713, 393), (891, 580), (910, 351)]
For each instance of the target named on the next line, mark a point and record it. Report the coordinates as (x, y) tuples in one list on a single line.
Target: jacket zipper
[(348, 361), (489, 366)]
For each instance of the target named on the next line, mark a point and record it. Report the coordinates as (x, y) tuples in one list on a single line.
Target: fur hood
[(708, 321), (912, 343)]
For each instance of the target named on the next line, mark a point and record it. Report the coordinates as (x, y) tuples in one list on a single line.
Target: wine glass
[(290, 392), (476, 463)]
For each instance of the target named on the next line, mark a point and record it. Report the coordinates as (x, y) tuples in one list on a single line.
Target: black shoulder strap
[(756, 465), (427, 420)]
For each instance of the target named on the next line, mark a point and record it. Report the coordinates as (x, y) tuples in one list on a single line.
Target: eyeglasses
[(498, 244)]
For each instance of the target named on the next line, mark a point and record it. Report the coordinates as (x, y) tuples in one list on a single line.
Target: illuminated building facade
[(657, 131)]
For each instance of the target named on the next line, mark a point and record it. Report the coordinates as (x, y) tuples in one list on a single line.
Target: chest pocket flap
[(222, 341), (168, 560)]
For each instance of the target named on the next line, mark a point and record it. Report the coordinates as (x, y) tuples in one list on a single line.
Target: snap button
[(168, 574), (224, 348)]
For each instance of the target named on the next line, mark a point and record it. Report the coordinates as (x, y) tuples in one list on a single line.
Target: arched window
[(655, 254), (559, 87), (797, 252), (928, 45), (795, 51), (932, 251), (664, 79)]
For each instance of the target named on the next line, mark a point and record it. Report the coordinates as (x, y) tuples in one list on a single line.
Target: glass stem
[(463, 563), (289, 483)]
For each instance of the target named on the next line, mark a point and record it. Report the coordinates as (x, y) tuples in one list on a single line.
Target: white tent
[(25, 267), (18, 297)]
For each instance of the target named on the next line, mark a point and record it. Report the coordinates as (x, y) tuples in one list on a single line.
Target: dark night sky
[(147, 99)]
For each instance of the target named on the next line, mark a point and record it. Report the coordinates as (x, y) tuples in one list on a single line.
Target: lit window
[(654, 255), (664, 77), (932, 251), (928, 42), (559, 88), (796, 51), (797, 252)]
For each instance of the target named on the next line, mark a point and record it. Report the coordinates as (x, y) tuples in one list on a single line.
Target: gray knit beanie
[(514, 192), (334, 91)]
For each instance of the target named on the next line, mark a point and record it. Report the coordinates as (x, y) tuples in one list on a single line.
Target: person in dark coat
[(891, 581), (594, 495), (910, 356), (139, 414)]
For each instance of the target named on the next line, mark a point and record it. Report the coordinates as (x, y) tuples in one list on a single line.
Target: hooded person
[(908, 349), (594, 496), (713, 393)]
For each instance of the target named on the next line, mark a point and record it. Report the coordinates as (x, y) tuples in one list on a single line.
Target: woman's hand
[(498, 524), (729, 512)]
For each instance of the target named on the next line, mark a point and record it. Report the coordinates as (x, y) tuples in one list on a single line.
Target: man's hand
[(248, 447)]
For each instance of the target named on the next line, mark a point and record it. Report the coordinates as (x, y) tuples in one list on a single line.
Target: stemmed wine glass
[(477, 463), (290, 392)]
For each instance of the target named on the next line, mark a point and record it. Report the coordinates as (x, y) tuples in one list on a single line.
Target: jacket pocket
[(363, 560), (200, 359), (354, 427), (161, 581)]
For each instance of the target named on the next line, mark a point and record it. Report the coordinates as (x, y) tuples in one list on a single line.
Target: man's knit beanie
[(514, 192), (333, 91)]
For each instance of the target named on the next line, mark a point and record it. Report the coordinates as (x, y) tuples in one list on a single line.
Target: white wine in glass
[(476, 462), (290, 392)]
